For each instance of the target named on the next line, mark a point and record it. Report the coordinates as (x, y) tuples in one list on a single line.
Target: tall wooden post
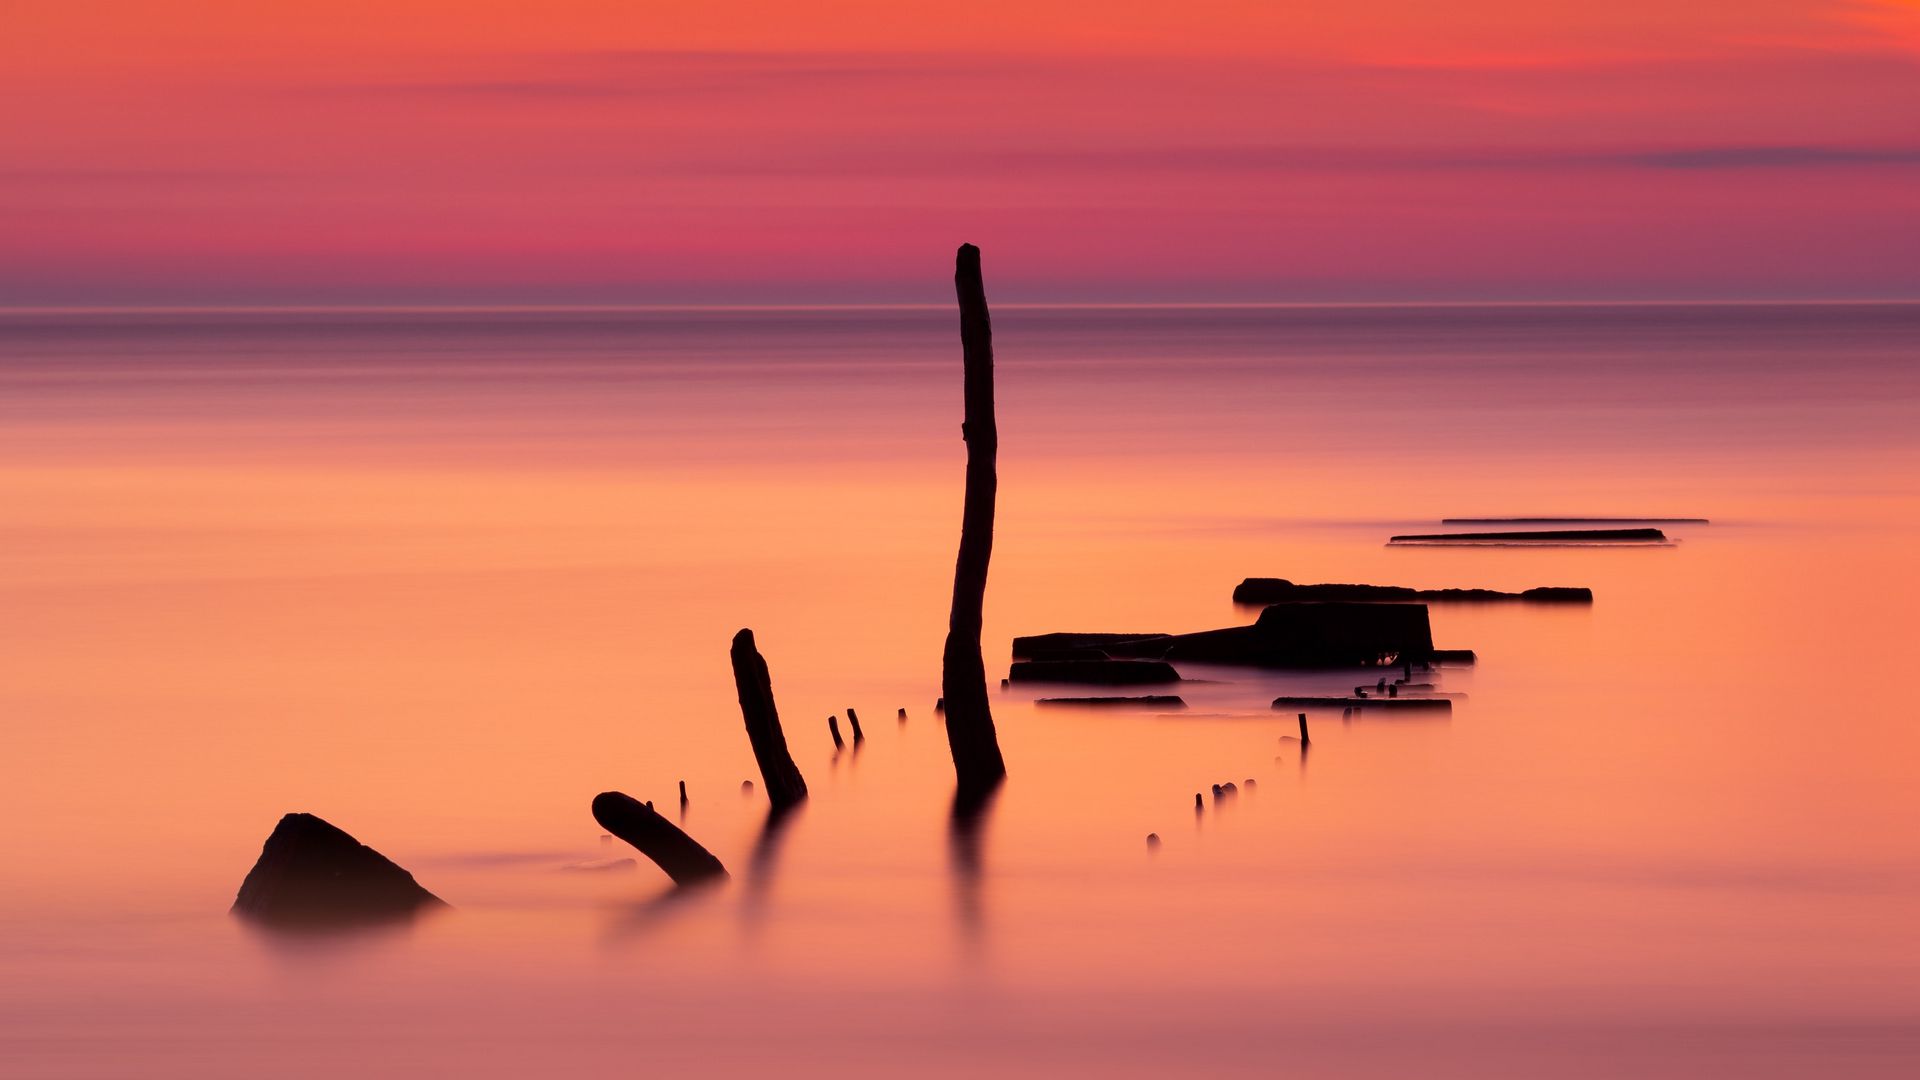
[(784, 785), (976, 748)]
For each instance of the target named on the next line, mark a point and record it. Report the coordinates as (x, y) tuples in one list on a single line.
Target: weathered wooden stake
[(785, 787), (853, 720), (680, 855), (833, 729), (977, 763), (1304, 740)]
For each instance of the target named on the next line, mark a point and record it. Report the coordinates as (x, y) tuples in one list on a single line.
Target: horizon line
[(586, 308)]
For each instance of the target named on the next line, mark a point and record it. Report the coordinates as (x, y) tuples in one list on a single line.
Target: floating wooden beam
[(680, 855)]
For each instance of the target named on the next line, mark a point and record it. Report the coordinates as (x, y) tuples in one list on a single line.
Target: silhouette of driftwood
[(311, 874), (853, 721), (1282, 591), (785, 787), (833, 729), (680, 855), (977, 763)]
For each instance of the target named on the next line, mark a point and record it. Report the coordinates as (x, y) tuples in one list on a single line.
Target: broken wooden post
[(903, 716), (680, 855), (853, 721), (833, 729), (785, 787), (683, 794), (977, 763), (1304, 740)]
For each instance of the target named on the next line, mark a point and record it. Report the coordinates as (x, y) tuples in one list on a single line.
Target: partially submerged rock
[(313, 874), (1098, 672), (1282, 591)]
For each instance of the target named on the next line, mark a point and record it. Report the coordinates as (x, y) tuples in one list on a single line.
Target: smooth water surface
[(440, 577)]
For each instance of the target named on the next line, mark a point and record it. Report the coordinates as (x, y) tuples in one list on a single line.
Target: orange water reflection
[(1671, 832)]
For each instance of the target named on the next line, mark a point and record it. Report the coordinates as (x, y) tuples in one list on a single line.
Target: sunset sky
[(595, 151)]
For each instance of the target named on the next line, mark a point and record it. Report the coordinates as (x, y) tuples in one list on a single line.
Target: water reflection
[(966, 836), (764, 863)]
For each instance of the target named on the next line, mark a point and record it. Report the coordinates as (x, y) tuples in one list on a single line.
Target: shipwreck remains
[(1281, 591), (311, 874), (1357, 705), (680, 855), (977, 763), (1531, 536), (1575, 521), (1144, 701), (1101, 672), (785, 786), (1304, 635)]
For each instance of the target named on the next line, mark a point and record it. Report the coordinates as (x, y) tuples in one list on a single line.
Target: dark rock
[(311, 873), (1282, 591), (1101, 672)]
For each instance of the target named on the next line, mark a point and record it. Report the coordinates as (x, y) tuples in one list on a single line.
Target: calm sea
[(441, 576)]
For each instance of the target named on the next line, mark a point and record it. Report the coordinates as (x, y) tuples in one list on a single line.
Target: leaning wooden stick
[(680, 855), (976, 748), (785, 787)]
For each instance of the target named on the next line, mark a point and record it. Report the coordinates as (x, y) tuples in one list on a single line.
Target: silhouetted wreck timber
[(1548, 536), (977, 763), (312, 874), (1099, 672), (680, 855), (785, 786), (1065, 646), (1304, 635), (1369, 704), (1452, 656), (1144, 701), (1575, 521), (1282, 591)]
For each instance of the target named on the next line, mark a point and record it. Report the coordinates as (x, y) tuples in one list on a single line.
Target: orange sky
[(415, 150)]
